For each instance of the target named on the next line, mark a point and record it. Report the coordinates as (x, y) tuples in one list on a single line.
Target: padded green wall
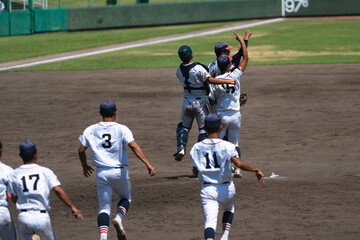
[(50, 20), (4, 26), (163, 14), (20, 23)]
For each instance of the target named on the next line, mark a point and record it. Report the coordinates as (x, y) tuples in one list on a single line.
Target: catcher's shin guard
[(182, 135)]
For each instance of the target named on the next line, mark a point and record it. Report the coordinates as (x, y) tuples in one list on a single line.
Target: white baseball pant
[(109, 180), (213, 195)]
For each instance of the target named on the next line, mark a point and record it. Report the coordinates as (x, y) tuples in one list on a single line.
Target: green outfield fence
[(34, 16)]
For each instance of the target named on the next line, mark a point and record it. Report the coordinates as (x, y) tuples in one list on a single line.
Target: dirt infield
[(300, 122)]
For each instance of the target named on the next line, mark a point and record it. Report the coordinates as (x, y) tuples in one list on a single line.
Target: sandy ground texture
[(300, 122)]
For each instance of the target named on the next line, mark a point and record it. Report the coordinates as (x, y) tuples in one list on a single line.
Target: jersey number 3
[(107, 138), (36, 176)]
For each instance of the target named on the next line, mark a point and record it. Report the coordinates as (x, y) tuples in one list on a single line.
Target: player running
[(225, 98), (30, 186), (7, 228), (211, 160), (194, 77), (108, 140)]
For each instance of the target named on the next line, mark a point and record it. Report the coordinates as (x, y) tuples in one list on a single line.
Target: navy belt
[(110, 167), (198, 98), (215, 183), (25, 210)]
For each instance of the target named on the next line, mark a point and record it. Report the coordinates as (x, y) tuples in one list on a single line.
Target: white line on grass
[(165, 39)]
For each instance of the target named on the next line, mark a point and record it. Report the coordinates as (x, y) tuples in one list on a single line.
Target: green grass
[(287, 42), (20, 47)]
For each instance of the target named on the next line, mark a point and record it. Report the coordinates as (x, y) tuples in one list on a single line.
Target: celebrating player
[(108, 140), (30, 186), (211, 163), (193, 76), (7, 228), (225, 98), (222, 48)]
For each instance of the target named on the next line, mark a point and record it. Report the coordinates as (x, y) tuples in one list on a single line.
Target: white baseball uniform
[(213, 68), (108, 141), (7, 229), (227, 105), (194, 102), (32, 184), (212, 159)]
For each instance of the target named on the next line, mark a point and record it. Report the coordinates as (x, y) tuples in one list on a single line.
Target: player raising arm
[(211, 163), (222, 48), (225, 98), (108, 140), (194, 78), (30, 186)]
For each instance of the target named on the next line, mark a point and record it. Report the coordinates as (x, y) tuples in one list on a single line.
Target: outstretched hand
[(248, 33), (77, 214), (237, 36), (151, 170), (87, 170), (260, 176)]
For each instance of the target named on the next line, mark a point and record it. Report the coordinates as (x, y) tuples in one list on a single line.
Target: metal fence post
[(8, 9), (32, 16)]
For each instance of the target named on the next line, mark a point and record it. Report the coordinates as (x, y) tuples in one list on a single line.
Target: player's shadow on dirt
[(181, 176)]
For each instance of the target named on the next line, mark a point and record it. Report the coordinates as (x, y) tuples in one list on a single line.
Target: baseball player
[(225, 98), (108, 140), (30, 186), (194, 77), (222, 48), (211, 163), (7, 228)]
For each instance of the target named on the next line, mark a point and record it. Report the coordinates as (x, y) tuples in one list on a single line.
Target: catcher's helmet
[(185, 53)]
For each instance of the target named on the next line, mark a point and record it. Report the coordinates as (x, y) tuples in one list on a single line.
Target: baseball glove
[(243, 98)]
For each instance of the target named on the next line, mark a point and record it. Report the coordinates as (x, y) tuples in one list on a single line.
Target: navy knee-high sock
[(227, 221), (209, 233), (123, 207), (103, 223)]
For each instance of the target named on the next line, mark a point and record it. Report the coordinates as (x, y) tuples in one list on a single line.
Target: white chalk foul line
[(169, 39)]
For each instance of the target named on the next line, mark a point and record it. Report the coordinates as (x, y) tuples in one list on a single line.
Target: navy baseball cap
[(222, 46), (107, 107), (223, 61), (27, 146), (212, 120), (185, 53)]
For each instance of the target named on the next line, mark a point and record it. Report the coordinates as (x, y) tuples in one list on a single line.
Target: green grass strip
[(288, 42), (22, 47)]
